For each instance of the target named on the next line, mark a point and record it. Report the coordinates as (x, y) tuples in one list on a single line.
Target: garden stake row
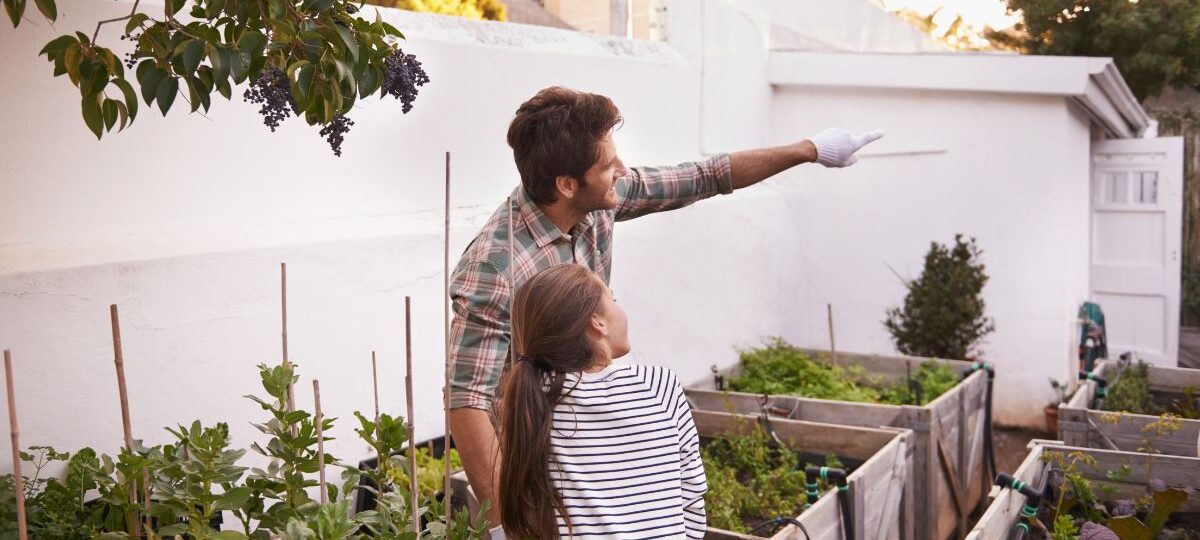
[(838, 476), (320, 440), (119, 360), (375, 389), (14, 432), (408, 396), (446, 487)]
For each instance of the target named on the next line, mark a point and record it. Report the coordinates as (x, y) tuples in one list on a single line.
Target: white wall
[(186, 237), (1010, 171)]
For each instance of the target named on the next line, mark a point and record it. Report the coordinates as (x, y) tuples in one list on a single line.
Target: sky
[(977, 13)]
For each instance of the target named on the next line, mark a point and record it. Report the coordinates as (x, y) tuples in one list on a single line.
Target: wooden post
[(446, 487), (18, 480), (375, 387), (832, 345), (320, 419), (287, 361), (408, 393), (123, 394)]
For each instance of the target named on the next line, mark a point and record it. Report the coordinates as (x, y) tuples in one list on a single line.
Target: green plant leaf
[(110, 114), (1129, 528), (173, 529), (92, 115), (48, 9), (193, 52), (1166, 502), (57, 45), (234, 498), (166, 93), (15, 10), (135, 21), (130, 96)]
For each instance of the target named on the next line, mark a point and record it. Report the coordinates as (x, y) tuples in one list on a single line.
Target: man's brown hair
[(557, 133)]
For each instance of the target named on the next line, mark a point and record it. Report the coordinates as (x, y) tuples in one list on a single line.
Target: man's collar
[(541, 228)]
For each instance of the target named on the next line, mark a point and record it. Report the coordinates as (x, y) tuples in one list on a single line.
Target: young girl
[(590, 449)]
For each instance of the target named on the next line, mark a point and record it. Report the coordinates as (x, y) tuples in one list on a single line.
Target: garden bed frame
[(999, 519), (881, 496), (1082, 425), (950, 477)]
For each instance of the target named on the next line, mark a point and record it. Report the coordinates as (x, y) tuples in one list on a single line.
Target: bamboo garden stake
[(18, 480)]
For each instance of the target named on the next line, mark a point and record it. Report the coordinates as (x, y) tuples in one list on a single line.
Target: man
[(573, 189)]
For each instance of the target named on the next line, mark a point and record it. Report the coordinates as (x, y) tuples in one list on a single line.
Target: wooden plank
[(998, 519), (1126, 434), (949, 469), (847, 441), (798, 408)]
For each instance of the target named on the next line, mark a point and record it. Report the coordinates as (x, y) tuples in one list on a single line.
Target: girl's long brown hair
[(551, 315)]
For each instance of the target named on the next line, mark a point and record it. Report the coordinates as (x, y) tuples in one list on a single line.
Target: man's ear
[(567, 186), (598, 325)]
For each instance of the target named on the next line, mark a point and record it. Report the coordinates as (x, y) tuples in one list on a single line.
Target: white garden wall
[(183, 222)]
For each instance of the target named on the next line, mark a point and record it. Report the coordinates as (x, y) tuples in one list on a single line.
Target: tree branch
[(118, 19)]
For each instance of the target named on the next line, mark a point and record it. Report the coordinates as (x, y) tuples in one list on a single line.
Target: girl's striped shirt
[(626, 456)]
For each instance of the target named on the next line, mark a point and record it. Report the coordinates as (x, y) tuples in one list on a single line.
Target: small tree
[(943, 313)]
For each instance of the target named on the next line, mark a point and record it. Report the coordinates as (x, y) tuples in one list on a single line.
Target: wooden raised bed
[(950, 476), (1081, 424), (881, 507), (1005, 511)]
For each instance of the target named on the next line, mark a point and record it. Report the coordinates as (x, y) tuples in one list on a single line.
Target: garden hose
[(1101, 386), (987, 411), (838, 478), (1033, 499), (781, 521)]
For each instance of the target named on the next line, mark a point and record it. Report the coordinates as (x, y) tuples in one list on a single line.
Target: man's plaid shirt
[(480, 288)]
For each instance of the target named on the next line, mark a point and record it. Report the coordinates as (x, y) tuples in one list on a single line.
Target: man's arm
[(831, 148), (479, 343), (479, 449), (750, 167)]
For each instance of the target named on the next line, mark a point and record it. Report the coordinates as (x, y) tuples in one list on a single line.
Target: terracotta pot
[(1052, 420)]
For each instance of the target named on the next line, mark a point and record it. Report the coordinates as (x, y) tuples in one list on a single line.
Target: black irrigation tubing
[(1033, 499), (1101, 386), (781, 521), (838, 476), (987, 411)]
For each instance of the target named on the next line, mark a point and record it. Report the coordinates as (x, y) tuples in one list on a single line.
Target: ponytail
[(526, 420)]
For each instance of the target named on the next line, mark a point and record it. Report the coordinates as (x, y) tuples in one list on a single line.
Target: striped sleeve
[(691, 468)]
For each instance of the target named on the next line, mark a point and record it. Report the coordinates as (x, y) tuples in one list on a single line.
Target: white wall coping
[(1093, 82)]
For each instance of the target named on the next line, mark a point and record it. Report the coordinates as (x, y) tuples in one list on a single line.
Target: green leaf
[(135, 21), (175, 5), (234, 498), (252, 42), (193, 52), (221, 62), (130, 97), (57, 45), (173, 529), (224, 89), (348, 39), (213, 8), (1165, 503), (110, 114), (149, 78), (48, 9), (94, 82), (124, 112), (15, 9), (1129, 528), (92, 115), (166, 93)]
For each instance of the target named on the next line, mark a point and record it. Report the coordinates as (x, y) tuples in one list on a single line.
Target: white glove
[(836, 146)]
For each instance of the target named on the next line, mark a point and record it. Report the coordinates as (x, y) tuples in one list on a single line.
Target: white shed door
[(1137, 201)]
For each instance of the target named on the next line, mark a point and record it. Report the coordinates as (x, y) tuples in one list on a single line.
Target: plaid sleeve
[(646, 190), (479, 334)]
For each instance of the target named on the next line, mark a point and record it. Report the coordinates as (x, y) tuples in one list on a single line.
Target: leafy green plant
[(1131, 391), (943, 312), (751, 478), (310, 58), (779, 368), (186, 482)]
